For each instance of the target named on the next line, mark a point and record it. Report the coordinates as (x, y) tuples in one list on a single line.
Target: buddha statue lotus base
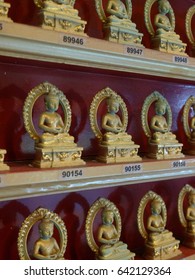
[(122, 34), (168, 45), (122, 255), (59, 22), (164, 251), (118, 153), (3, 166), (165, 151), (4, 9), (59, 156)]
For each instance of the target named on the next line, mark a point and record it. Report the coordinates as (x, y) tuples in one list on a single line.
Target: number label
[(179, 164), (180, 59), (134, 51), (71, 174), (1, 26), (72, 40), (132, 168)]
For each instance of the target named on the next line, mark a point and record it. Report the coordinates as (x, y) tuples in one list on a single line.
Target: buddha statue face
[(107, 217), (164, 6), (113, 105), (156, 207), (160, 107), (51, 102), (46, 228)]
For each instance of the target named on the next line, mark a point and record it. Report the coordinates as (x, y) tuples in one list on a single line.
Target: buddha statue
[(105, 241), (111, 248), (162, 21), (160, 244), (115, 144), (162, 31), (192, 125), (52, 125), (60, 15), (112, 125), (46, 247), (157, 235), (117, 24), (118, 13), (159, 126), (60, 6)]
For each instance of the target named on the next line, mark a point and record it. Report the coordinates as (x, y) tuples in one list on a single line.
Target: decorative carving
[(162, 142), (188, 219), (115, 145), (118, 26), (60, 15), (159, 242), (163, 35), (55, 139), (188, 23), (46, 247), (109, 232), (189, 123)]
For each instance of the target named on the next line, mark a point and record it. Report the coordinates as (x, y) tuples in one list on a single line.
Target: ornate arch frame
[(94, 209), (189, 103), (147, 16), (188, 24), (29, 222), (97, 100), (153, 97), (184, 191), (149, 196), (33, 96)]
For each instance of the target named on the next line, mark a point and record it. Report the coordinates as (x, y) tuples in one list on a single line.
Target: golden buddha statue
[(110, 248), (115, 145), (157, 235), (52, 124), (159, 126), (4, 9), (159, 242), (164, 37), (118, 26), (162, 142), (60, 15), (54, 147), (46, 246), (187, 214)]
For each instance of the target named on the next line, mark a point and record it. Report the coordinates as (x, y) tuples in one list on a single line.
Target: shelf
[(34, 43), (26, 181)]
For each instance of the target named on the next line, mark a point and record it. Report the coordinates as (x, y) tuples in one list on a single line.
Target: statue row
[(55, 147), (104, 237), (60, 15)]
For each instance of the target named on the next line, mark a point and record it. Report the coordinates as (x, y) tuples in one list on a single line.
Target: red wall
[(18, 77)]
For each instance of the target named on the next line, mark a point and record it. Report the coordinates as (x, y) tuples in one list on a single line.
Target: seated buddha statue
[(60, 6), (112, 124), (111, 247), (190, 213), (162, 22), (162, 134), (52, 124), (118, 13), (192, 125), (157, 234), (46, 247)]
